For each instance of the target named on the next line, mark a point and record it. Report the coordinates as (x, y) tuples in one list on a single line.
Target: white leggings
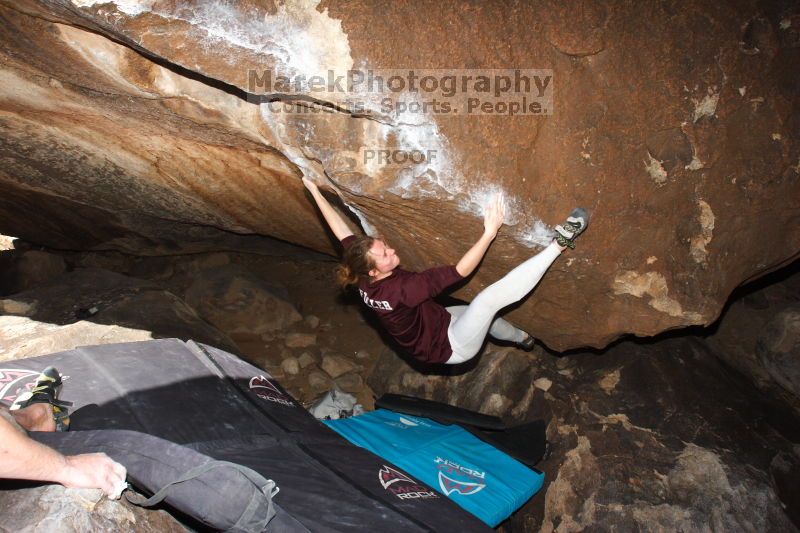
[(470, 323)]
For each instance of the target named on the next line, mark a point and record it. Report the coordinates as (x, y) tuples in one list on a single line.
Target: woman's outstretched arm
[(492, 220), (334, 220)]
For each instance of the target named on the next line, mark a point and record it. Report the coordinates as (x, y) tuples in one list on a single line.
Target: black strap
[(248, 521)]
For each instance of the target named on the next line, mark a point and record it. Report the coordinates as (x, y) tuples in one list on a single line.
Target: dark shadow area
[(668, 395), (107, 298)]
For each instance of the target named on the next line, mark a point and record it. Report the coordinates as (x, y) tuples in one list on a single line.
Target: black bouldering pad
[(212, 401), (527, 443)]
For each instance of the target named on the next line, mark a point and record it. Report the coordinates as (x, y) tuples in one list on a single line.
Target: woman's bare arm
[(334, 220), (492, 220)]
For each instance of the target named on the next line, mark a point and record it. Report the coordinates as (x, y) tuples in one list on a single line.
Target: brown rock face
[(136, 126)]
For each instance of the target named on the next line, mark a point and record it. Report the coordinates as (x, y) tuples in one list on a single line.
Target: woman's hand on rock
[(494, 214), (310, 185)]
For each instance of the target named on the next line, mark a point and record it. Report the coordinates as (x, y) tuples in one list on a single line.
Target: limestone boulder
[(56, 509), (137, 126), (25, 337)]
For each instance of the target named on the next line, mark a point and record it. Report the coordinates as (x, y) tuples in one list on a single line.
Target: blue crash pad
[(480, 478)]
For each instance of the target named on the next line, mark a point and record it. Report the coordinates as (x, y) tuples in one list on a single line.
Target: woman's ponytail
[(355, 262)]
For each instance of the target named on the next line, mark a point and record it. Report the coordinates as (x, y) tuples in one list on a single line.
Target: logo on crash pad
[(407, 423), (13, 381), (456, 478), (266, 389), (403, 486)]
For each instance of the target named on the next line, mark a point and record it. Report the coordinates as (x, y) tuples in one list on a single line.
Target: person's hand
[(310, 185), (94, 471), (493, 216), (36, 417)]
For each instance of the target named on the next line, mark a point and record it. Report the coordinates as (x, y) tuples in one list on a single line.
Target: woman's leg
[(467, 331), (499, 329)]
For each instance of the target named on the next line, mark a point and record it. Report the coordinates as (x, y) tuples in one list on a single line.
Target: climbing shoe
[(46, 390), (576, 222), (527, 344)]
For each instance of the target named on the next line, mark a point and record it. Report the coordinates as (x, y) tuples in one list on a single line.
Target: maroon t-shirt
[(404, 305)]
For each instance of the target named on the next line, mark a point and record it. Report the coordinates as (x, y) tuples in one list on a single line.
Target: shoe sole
[(579, 214)]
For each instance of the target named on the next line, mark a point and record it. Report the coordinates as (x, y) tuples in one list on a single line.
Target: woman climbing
[(404, 302)]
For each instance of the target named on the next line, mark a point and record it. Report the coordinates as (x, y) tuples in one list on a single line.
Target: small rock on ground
[(336, 365), (306, 359), (319, 381), (350, 382), (543, 384), (300, 340), (312, 321), (291, 366)]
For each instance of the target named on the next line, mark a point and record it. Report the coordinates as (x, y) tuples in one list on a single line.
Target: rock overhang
[(129, 126)]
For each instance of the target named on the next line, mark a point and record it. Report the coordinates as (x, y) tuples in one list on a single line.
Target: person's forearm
[(24, 458), (472, 258), (334, 220)]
